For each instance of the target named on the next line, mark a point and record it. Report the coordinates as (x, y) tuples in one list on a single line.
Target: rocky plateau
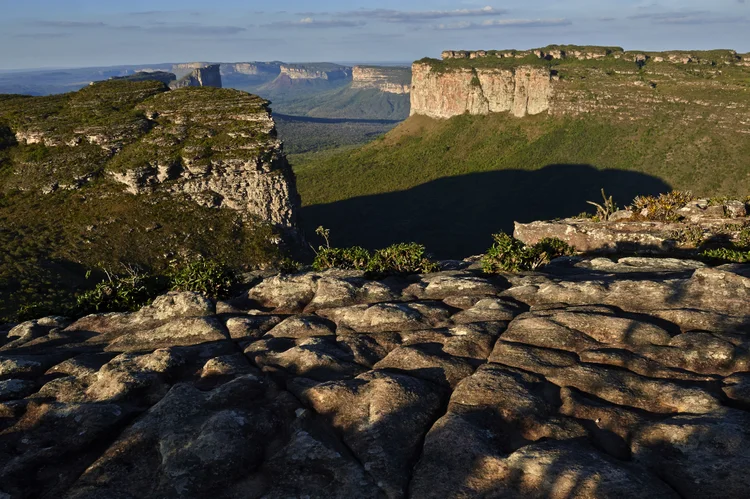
[(594, 378), (607, 82)]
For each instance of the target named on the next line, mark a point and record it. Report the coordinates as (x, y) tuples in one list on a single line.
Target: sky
[(84, 33)]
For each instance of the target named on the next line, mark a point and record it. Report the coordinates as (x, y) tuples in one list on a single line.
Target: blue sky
[(74, 33)]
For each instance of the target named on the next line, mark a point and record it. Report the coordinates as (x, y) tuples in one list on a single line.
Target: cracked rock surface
[(581, 381)]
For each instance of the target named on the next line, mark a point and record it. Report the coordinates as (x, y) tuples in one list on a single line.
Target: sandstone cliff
[(386, 79), (206, 76), (521, 91), (218, 147), (320, 71), (570, 80), (252, 68)]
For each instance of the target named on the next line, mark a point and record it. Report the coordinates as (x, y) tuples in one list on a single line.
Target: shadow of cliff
[(454, 217)]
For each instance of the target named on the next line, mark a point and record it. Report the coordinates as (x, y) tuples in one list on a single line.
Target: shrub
[(120, 293), (511, 255), (663, 208), (354, 258), (209, 277), (402, 258), (726, 255)]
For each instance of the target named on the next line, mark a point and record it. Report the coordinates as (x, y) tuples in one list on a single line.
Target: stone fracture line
[(576, 382)]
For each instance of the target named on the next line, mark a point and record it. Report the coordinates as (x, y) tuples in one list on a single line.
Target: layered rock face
[(316, 72), (206, 76), (220, 150), (585, 380), (572, 81), (252, 68), (521, 91), (216, 146), (389, 80)]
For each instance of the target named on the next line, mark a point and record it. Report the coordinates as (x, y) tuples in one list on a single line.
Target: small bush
[(354, 258), (663, 208), (402, 258), (120, 293), (209, 277), (511, 255), (289, 266), (726, 255)]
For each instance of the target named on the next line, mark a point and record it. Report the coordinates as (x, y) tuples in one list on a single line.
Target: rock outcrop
[(571, 81), (224, 154), (252, 68), (386, 79), (584, 380), (521, 91), (320, 71), (218, 147), (699, 225), (205, 76)]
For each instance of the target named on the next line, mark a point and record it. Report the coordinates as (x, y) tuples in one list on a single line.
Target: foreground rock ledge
[(594, 379)]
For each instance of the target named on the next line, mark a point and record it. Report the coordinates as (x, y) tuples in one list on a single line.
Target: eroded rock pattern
[(583, 381)]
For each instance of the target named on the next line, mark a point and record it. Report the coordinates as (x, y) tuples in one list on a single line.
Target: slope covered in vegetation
[(450, 183)]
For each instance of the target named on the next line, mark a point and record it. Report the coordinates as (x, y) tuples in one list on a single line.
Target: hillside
[(451, 183), (130, 175)]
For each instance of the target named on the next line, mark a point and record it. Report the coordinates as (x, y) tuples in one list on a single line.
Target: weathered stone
[(251, 327), (313, 358), (699, 456), (613, 385), (389, 316), (175, 333), (302, 327), (382, 417), (191, 443), (14, 389), (285, 293)]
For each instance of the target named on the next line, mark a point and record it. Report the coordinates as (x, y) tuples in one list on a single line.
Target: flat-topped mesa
[(552, 52), (206, 76), (218, 147), (321, 71), (566, 80), (394, 80), (521, 90), (252, 68)]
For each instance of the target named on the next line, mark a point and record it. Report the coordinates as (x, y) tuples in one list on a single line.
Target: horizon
[(90, 34)]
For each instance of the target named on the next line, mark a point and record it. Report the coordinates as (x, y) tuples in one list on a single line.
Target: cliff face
[(316, 71), (570, 81), (252, 68), (207, 76), (385, 79), (521, 91), (217, 147)]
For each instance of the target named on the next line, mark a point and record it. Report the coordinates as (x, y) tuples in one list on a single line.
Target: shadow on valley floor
[(454, 217)]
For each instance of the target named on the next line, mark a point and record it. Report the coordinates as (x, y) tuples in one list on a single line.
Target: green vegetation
[(118, 293), (85, 223), (508, 254), (726, 255), (421, 149), (402, 258), (349, 103), (662, 208), (209, 277)]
